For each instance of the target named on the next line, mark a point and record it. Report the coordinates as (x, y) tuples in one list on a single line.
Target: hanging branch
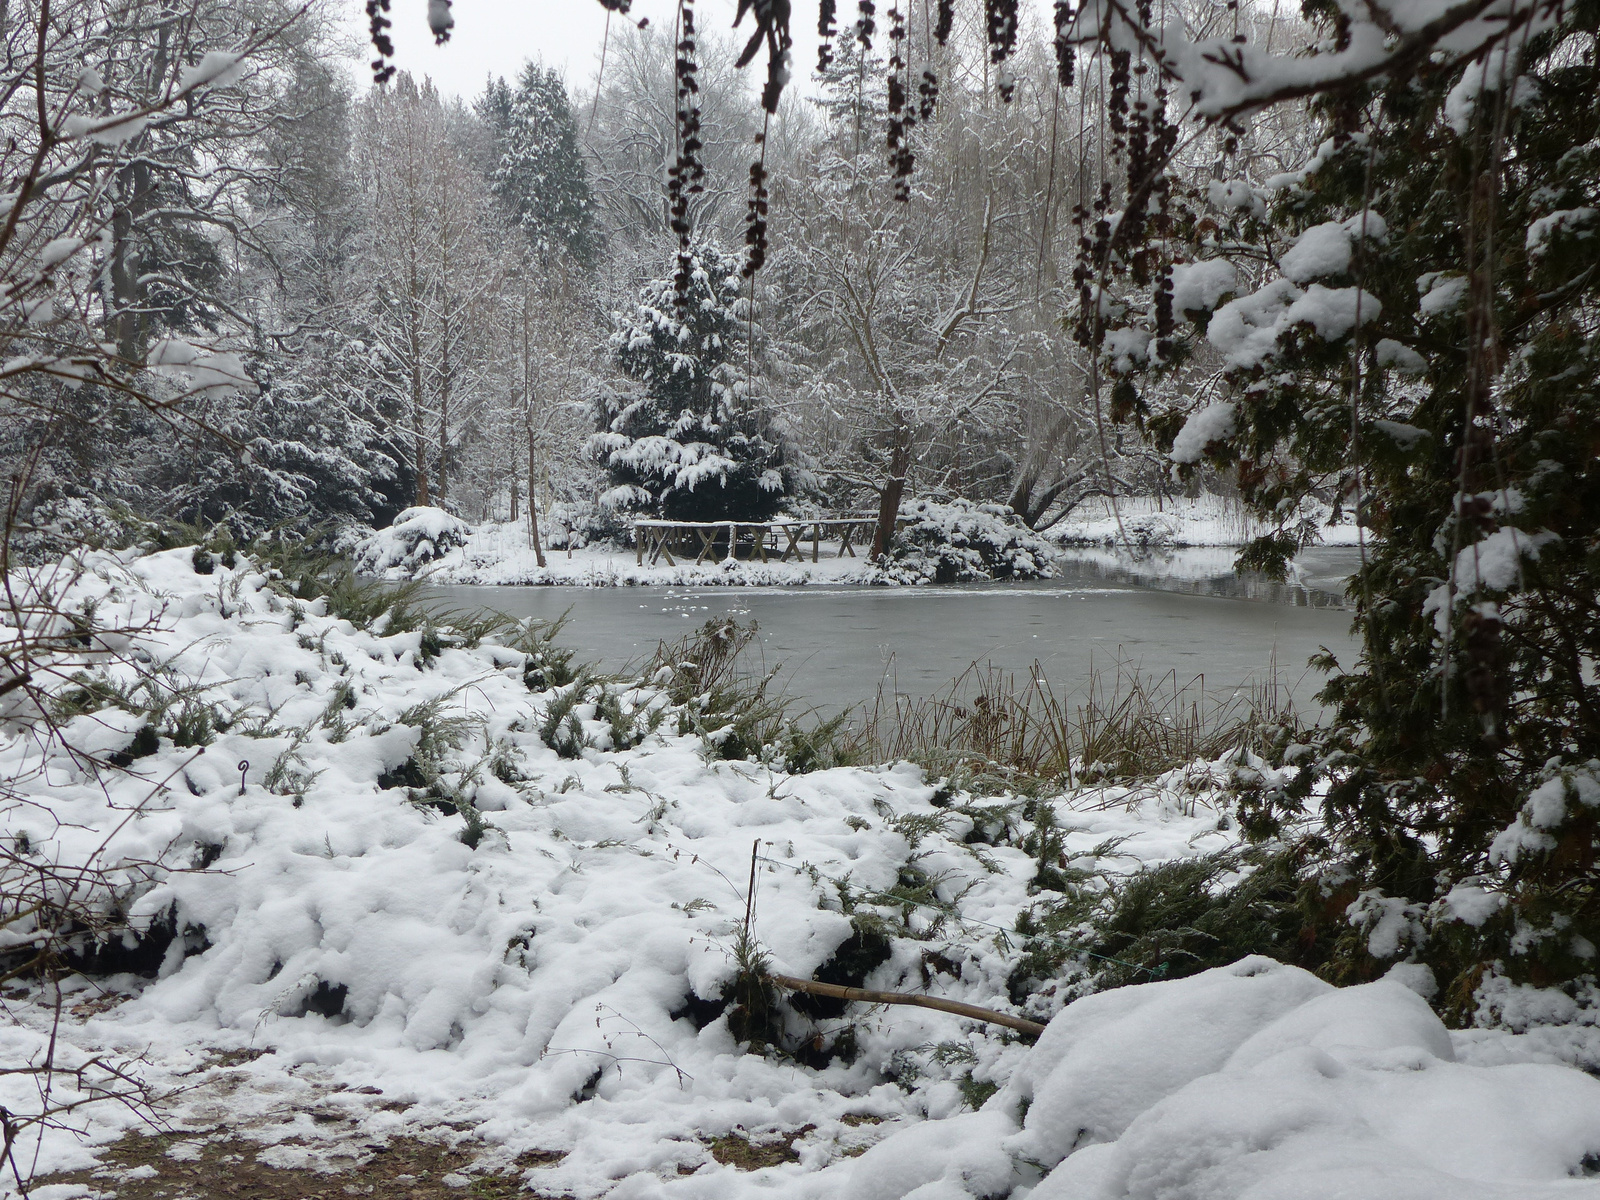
[(902, 118), (866, 25), (826, 29), (928, 89), (772, 26), (1066, 56), (755, 217), (378, 24), (1000, 18), (685, 176)]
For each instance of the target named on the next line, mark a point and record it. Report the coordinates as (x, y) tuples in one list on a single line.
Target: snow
[(1489, 75), (1328, 249), (1197, 287), (1545, 809), (1222, 75), (1203, 520), (1493, 563), (216, 68), (1440, 294), (1260, 1080), (1214, 423), (499, 553), (110, 130), (211, 373), (57, 251), (1561, 221), (974, 540), (1246, 330), (1321, 250), (493, 984), (1401, 357), (418, 537), (475, 976)]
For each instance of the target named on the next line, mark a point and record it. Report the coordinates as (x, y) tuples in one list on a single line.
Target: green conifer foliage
[(687, 441), (539, 173), (1436, 267)]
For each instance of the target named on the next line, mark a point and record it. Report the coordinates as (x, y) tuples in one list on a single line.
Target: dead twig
[(865, 996)]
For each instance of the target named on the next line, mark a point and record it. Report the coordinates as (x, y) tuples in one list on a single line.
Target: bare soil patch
[(202, 1167)]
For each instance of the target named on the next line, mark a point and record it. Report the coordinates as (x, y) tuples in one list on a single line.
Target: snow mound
[(1258, 1081), (430, 879), (962, 542), (419, 536), (502, 903)]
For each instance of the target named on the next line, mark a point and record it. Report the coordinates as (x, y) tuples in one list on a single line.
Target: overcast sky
[(493, 37)]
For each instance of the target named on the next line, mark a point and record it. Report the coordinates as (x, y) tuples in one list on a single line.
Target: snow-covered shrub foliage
[(53, 524), (962, 542), (418, 537), (682, 437), (583, 523)]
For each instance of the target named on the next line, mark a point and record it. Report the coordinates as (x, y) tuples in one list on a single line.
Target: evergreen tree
[(1428, 343), (539, 173), (314, 453), (685, 440)]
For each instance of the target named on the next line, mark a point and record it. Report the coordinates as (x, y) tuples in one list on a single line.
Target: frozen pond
[(1179, 611)]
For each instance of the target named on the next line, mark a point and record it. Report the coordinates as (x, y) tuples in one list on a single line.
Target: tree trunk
[(513, 493), (445, 380), (133, 189), (893, 488), (533, 509), (419, 440), (420, 451)]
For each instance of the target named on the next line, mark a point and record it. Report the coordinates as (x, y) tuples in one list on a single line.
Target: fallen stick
[(839, 992)]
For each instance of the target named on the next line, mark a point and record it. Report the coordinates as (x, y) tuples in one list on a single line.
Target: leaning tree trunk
[(894, 487)]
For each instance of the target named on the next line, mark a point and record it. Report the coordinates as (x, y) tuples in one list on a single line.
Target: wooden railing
[(657, 539)]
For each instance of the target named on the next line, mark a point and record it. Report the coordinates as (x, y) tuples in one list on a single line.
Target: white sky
[(495, 36)]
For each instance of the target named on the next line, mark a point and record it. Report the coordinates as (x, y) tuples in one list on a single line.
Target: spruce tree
[(683, 437), (539, 173)]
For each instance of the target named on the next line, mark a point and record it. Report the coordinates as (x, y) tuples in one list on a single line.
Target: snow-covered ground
[(1204, 520), (428, 544), (499, 554), (423, 914)]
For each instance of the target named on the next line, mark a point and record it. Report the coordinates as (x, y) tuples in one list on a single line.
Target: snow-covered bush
[(418, 536), (584, 523), (962, 542), (58, 524)]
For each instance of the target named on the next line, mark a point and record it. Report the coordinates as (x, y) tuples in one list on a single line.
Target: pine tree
[(539, 173), (685, 439)]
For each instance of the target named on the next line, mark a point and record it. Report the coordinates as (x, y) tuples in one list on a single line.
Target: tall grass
[(735, 707), (1124, 724)]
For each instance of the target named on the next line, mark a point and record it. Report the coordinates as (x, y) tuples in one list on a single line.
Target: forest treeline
[(454, 302)]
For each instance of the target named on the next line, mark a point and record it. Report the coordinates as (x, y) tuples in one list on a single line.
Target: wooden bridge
[(658, 539)]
